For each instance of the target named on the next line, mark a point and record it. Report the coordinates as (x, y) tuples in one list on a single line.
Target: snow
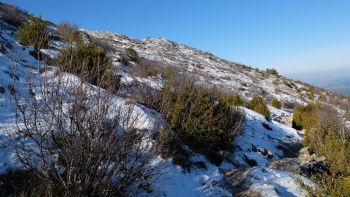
[(212, 70), (256, 135), (274, 183), (197, 182), (50, 52), (270, 182)]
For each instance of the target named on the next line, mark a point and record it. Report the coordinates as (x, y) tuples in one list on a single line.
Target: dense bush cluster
[(202, 121), (326, 136), (276, 103), (304, 117), (234, 100), (258, 104), (271, 71), (89, 62), (34, 33)]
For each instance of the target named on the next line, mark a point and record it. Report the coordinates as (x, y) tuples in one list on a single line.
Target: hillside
[(264, 159), (213, 71)]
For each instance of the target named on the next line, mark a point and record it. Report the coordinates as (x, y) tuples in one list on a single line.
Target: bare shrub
[(146, 68), (12, 14), (79, 140), (69, 32)]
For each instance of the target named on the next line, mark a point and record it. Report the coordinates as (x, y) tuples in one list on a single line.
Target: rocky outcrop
[(309, 162)]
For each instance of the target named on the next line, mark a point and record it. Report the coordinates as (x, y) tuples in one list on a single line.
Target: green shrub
[(234, 100), (310, 95), (271, 71), (89, 62), (276, 103), (304, 117), (129, 55), (202, 121), (326, 136), (325, 140), (258, 104), (172, 147), (34, 33)]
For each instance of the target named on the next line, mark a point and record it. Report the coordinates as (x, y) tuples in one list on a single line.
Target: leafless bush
[(147, 68), (79, 140), (12, 14), (69, 32)]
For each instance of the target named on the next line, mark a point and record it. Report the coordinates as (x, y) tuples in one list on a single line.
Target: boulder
[(310, 162), (286, 164)]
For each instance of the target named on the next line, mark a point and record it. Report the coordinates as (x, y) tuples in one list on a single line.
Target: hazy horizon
[(336, 80)]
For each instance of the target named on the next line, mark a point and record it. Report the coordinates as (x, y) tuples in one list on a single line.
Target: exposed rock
[(288, 120), (250, 193), (286, 164), (309, 162), (237, 179), (265, 153), (290, 150)]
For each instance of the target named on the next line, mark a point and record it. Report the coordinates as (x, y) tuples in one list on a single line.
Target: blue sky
[(291, 35)]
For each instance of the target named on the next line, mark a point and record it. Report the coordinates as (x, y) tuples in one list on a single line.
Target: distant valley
[(337, 80)]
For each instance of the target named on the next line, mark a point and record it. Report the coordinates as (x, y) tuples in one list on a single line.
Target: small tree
[(34, 33), (258, 104)]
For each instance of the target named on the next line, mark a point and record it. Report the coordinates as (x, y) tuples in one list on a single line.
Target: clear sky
[(291, 35)]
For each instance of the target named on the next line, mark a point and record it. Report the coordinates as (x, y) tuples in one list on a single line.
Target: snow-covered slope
[(261, 143), (209, 69)]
